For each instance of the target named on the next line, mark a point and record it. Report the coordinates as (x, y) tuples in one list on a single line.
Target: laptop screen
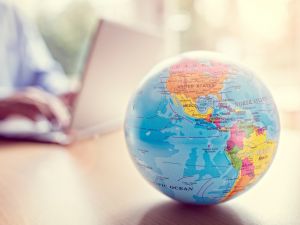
[(119, 58)]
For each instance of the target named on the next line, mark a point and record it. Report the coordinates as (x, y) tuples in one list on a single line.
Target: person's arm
[(41, 84), (38, 64)]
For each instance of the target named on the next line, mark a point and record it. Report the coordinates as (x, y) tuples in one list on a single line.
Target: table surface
[(95, 182)]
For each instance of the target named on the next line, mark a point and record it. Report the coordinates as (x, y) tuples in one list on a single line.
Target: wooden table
[(95, 182)]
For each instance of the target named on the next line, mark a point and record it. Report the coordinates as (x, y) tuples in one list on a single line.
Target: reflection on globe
[(202, 129)]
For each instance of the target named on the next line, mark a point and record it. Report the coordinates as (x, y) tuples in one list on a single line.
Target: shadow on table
[(175, 213)]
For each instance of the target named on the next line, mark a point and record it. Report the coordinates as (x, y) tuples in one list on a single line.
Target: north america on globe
[(202, 129)]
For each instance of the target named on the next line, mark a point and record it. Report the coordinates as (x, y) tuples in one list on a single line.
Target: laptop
[(117, 60)]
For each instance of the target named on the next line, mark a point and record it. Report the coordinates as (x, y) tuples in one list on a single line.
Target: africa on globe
[(202, 129)]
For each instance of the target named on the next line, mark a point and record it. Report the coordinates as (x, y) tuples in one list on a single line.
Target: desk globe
[(202, 129)]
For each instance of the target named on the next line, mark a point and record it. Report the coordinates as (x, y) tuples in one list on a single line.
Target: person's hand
[(69, 98), (34, 104)]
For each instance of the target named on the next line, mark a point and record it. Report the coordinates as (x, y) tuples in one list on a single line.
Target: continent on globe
[(250, 153), (202, 129), (189, 80)]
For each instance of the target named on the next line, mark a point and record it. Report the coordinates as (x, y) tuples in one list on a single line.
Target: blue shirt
[(24, 57)]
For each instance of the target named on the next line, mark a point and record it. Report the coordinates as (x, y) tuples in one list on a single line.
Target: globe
[(202, 129)]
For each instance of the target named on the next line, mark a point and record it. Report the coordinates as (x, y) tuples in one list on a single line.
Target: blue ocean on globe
[(202, 129)]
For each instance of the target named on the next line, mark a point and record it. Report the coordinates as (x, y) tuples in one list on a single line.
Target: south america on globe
[(202, 129)]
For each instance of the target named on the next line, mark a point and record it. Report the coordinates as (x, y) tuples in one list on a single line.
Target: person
[(32, 83)]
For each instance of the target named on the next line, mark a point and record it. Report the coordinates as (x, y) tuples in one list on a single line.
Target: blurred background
[(263, 34)]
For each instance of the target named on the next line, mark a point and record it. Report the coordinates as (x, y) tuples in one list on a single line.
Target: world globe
[(202, 129)]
